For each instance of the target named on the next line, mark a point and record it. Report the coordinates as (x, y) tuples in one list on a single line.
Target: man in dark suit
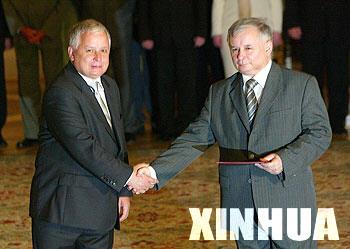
[(117, 16), (5, 42), (272, 119), (323, 28), (78, 193), (173, 30)]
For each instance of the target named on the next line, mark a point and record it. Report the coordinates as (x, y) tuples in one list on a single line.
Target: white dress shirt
[(261, 78), (99, 91)]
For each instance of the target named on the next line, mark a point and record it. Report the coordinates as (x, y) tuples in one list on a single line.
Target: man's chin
[(244, 69), (97, 73)]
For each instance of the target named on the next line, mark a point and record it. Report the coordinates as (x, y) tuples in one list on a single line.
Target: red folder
[(239, 163)]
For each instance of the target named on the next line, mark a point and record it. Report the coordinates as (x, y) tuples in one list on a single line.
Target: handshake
[(141, 179)]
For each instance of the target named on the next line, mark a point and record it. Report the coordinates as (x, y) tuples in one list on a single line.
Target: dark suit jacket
[(169, 22), (319, 19), (81, 165), (291, 120), (104, 11), (4, 31)]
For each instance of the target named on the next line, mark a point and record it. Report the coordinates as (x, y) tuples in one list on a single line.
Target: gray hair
[(241, 24), (88, 25)]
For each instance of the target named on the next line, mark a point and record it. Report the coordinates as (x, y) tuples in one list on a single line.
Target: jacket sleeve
[(276, 15), (14, 21), (217, 16), (315, 136), (65, 120), (56, 17), (144, 20), (186, 148)]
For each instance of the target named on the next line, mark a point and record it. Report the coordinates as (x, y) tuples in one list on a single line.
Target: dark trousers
[(27, 56), (151, 63), (121, 62), (274, 244), (139, 76), (3, 106), (263, 240), (176, 87), (210, 70), (318, 56), (328, 55), (48, 235)]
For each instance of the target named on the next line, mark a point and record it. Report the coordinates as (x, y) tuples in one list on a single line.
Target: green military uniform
[(48, 16)]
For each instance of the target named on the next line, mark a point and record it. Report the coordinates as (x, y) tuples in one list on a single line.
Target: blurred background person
[(210, 68), (140, 80), (5, 43), (323, 28), (36, 26), (225, 12), (117, 16), (173, 30)]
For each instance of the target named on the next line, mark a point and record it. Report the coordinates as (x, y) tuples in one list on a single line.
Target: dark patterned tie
[(252, 102)]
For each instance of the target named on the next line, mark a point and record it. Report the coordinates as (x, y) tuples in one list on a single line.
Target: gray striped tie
[(252, 102)]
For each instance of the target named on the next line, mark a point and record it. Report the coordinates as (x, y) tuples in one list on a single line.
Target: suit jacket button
[(251, 156), (250, 181)]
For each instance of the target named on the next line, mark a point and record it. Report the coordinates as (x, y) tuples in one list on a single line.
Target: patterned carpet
[(161, 220)]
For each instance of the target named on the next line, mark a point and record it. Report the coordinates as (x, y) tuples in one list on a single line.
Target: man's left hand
[(124, 207), (271, 163)]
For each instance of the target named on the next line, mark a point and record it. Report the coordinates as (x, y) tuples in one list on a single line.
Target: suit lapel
[(270, 92), (96, 106), (114, 111), (238, 100), (86, 91)]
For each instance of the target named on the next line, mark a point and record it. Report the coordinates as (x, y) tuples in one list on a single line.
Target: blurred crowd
[(166, 53)]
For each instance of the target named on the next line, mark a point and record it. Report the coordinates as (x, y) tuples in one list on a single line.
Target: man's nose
[(97, 56), (240, 53)]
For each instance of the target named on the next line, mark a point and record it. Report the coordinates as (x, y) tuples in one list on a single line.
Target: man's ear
[(70, 53), (268, 47)]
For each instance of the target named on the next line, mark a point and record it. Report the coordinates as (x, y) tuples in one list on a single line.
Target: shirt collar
[(261, 76), (90, 81)]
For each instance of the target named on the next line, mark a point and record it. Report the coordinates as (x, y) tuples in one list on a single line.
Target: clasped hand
[(140, 180), (33, 36)]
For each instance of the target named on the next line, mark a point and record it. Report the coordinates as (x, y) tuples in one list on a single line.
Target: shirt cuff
[(153, 172), (128, 180)]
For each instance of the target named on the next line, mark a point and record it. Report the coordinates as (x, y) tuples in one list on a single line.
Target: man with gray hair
[(78, 192), (270, 124)]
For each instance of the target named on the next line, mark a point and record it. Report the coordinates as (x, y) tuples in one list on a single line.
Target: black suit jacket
[(169, 22), (4, 31), (81, 165), (318, 19)]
